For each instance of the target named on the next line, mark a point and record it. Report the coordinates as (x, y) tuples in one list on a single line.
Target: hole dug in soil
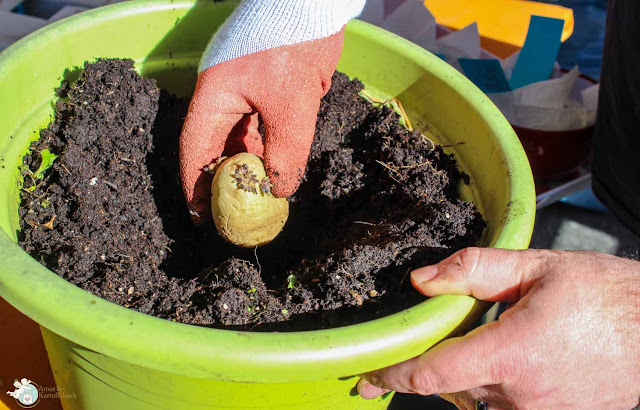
[(109, 216)]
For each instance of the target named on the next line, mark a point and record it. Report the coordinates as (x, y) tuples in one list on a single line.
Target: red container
[(557, 155)]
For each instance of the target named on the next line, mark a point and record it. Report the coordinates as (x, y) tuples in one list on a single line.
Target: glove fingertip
[(284, 185)]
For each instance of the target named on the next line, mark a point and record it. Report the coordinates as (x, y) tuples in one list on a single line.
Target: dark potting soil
[(109, 216)]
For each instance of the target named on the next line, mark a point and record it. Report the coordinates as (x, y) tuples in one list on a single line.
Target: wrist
[(258, 25)]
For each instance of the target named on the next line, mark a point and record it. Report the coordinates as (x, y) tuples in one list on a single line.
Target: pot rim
[(230, 355)]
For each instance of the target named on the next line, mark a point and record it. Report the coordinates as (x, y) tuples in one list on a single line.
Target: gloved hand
[(274, 59)]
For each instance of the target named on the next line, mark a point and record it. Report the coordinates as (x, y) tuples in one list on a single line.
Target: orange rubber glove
[(284, 85)]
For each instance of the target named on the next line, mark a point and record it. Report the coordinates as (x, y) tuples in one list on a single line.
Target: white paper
[(66, 11), (590, 97), (551, 93), (561, 103), (464, 43), (5, 42), (14, 26), (548, 119), (412, 20), (427, 39), (509, 63), (549, 106), (8, 5), (373, 12)]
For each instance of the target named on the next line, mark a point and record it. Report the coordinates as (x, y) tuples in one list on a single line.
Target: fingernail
[(368, 391), (424, 274)]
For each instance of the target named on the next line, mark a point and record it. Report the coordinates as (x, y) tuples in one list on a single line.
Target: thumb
[(289, 130), (483, 357), (485, 273)]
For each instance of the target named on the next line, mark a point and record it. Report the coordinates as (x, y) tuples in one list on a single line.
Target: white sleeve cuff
[(258, 25)]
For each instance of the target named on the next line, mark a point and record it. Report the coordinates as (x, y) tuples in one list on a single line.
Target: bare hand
[(571, 340)]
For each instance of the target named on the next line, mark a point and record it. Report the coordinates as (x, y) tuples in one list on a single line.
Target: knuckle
[(375, 379), (471, 255), (422, 383), (461, 265), (535, 262), (547, 258), (464, 260), (471, 258)]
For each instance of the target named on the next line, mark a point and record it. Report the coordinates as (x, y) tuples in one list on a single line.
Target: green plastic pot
[(115, 358)]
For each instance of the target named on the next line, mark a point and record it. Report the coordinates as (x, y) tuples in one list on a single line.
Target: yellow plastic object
[(503, 24)]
